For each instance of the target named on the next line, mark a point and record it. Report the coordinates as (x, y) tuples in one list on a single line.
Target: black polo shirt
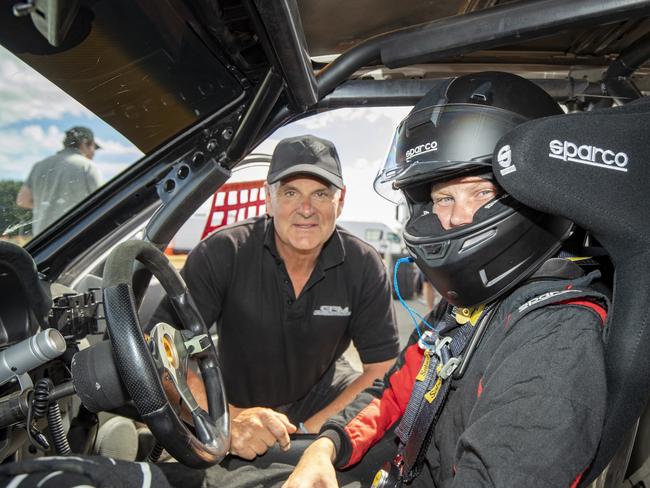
[(274, 346)]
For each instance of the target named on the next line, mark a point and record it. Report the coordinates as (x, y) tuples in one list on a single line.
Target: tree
[(14, 221)]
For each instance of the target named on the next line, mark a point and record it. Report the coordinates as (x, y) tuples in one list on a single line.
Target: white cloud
[(267, 146), (368, 115), (48, 139), (362, 203), (114, 148), (26, 95)]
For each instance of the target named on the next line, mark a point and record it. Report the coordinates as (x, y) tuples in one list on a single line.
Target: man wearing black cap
[(288, 292), (58, 183)]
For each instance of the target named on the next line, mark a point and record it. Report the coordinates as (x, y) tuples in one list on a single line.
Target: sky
[(34, 115)]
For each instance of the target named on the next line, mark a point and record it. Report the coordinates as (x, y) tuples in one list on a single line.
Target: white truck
[(386, 240)]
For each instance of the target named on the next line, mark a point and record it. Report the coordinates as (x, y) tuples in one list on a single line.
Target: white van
[(386, 240)]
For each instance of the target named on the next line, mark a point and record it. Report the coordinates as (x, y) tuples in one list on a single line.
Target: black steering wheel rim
[(139, 373)]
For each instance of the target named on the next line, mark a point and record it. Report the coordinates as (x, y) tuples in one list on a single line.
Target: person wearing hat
[(289, 292), (58, 183)]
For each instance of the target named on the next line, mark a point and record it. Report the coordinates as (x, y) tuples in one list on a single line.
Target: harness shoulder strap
[(542, 294)]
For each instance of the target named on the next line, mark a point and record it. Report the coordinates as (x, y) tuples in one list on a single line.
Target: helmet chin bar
[(480, 262)]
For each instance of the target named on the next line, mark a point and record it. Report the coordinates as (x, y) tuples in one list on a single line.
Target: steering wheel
[(144, 365)]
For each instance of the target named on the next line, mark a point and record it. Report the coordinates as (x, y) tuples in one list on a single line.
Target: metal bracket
[(440, 343), (198, 344)]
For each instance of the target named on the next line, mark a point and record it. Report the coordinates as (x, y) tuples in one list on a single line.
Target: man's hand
[(315, 469), (256, 429), (25, 199)]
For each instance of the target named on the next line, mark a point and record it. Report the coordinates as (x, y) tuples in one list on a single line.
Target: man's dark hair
[(76, 135)]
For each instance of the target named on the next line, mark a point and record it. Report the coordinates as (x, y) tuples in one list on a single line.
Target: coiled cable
[(155, 453), (41, 405), (38, 403), (55, 422), (41, 397)]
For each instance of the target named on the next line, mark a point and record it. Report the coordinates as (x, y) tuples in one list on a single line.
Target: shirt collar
[(70, 150), (331, 255)]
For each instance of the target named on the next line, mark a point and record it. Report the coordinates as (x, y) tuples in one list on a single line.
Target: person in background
[(59, 182)]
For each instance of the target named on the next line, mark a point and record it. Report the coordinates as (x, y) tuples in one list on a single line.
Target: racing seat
[(594, 168)]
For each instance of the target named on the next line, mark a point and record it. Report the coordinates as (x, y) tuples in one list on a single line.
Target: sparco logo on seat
[(421, 149), (591, 155)]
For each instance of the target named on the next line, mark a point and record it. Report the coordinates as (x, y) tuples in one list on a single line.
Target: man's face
[(456, 201), (87, 148), (304, 211)]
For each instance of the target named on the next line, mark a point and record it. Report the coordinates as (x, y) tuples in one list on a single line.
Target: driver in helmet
[(503, 384)]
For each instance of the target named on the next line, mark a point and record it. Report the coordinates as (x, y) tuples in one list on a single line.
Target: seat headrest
[(594, 168)]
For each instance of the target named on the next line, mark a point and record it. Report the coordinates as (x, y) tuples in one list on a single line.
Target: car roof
[(360, 20)]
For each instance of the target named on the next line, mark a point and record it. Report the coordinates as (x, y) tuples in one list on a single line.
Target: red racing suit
[(528, 410)]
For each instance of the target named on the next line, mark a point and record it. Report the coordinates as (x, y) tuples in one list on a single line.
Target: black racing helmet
[(453, 132)]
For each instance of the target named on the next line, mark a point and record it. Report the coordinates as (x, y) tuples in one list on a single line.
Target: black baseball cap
[(308, 155)]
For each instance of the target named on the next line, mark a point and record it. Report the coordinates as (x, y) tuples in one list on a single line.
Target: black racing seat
[(594, 168), (25, 299)]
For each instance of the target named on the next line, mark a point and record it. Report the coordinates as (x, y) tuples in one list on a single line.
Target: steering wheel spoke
[(171, 355)]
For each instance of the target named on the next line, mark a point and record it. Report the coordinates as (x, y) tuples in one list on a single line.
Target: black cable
[(61, 444), (43, 402), (35, 436), (38, 406), (61, 391), (155, 453), (41, 397)]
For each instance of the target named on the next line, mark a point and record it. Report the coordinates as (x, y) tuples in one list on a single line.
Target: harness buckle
[(448, 368), (440, 343), (451, 363)]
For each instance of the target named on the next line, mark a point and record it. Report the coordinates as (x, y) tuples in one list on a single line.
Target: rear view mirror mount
[(52, 18)]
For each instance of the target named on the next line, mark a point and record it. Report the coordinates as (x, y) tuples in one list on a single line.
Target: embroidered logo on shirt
[(333, 311)]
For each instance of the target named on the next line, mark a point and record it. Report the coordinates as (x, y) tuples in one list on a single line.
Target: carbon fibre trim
[(133, 359)]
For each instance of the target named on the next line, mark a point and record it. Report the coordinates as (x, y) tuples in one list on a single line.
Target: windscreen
[(124, 79)]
